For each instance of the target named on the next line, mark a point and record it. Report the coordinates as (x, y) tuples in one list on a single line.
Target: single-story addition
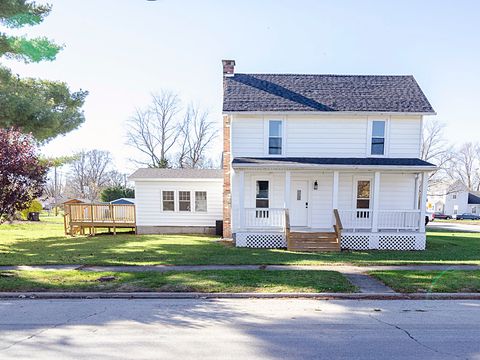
[(177, 200)]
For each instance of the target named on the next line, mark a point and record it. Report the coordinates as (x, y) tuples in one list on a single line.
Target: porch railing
[(395, 220), (264, 218)]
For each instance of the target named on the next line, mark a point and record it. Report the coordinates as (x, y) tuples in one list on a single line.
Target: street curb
[(193, 295)]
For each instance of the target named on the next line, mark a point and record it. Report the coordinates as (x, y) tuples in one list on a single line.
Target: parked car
[(467, 216), (439, 215), (428, 217)]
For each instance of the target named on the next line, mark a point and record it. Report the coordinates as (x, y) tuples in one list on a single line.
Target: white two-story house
[(319, 162)]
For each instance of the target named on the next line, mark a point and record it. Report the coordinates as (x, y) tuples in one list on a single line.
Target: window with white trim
[(168, 200), (378, 137), (275, 137), (200, 201), (184, 201), (261, 197), (363, 194)]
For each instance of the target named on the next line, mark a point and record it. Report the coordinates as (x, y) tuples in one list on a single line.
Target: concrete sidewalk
[(353, 269)]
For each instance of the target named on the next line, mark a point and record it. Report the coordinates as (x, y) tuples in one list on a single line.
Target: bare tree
[(90, 174), (466, 166), (154, 131), (435, 149), (196, 134)]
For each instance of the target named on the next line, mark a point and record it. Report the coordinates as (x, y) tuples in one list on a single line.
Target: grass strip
[(450, 281), (231, 281)]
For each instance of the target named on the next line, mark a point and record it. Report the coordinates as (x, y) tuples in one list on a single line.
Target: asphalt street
[(239, 329), (454, 226)]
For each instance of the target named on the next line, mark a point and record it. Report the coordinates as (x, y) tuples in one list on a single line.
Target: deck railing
[(394, 220), (264, 218), (95, 213)]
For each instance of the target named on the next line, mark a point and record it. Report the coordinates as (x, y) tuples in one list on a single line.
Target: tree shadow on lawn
[(203, 250)]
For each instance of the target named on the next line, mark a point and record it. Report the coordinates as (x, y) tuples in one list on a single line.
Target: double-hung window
[(168, 200), (275, 137), (184, 200), (378, 137), (200, 201), (261, 199), (363, 199)]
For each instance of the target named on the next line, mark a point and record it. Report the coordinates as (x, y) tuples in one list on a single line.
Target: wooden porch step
[(313, 241)]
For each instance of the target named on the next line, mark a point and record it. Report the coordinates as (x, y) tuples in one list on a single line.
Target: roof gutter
[(362, 113), (332, 167)]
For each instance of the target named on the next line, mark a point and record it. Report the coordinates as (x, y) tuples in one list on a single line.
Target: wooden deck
[(79, 217)]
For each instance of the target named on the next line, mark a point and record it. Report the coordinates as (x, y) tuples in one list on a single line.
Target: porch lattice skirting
[(260, 240), (349, 241), (383, 241)]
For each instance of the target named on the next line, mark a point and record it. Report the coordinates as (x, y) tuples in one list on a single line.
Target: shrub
[(34, 206)]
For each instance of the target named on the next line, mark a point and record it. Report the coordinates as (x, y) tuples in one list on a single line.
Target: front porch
[(376, 209)]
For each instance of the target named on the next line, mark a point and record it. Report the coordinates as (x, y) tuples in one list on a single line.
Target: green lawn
[(197, 281), (27, 243), (430, 281)]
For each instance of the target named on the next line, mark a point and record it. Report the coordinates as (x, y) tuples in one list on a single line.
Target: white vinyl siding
[(325, 135), (148, 197), (405, 137), (247, 136), (397, 191)]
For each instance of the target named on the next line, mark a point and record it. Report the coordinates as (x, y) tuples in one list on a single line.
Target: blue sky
[(122, 50)]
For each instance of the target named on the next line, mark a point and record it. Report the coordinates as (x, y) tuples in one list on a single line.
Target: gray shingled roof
[(474, 198), (152, 173), (329, 93), (288, 161)]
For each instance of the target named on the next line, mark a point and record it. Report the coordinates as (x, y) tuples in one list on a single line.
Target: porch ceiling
[(403, 164)]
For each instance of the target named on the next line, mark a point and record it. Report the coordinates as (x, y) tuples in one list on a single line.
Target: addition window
[(363, 194), (275, 137), (168, 200), (200, 201), (378, 137), (184, 200)]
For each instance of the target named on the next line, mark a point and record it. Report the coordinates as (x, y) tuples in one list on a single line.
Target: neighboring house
[(437, 197), (177, 200), (460, 200), (123, 201), (315, 143)]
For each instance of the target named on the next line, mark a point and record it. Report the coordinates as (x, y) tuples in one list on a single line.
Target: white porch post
[(376, 201), (335, 190), (335, 193), (423, 201), (241, 200), (417, 192), (286, 202)]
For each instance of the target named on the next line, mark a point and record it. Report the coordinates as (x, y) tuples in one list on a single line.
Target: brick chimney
[(228, 67)]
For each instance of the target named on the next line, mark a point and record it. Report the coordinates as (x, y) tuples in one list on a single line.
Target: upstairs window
[(200, 201), (275, 137), (378, 138), (168, 201), (184, 200)]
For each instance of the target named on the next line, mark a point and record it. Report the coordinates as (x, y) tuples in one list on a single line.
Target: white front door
[(299, 203)]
